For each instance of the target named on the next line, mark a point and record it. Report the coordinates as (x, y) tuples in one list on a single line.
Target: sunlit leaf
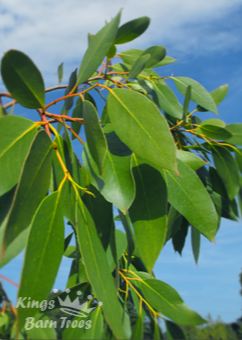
[(45, 245), (17, 134), (188, 196), (198, 93), (97, 49), (147, 135), (33, 186)]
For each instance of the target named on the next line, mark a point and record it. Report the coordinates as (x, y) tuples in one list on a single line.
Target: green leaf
[(130, 56), (236, 131), (32, 187), (132, 30), (179, 235), (102, 214), (196, 239), (220, 93), (23, 79), (98, 271), (149, 58), (174, 332), (187, 194), (45, 245), (93, 328), (60, 72), (190, 159), (138, 123), (14, 248), (187, 100), (116, 183), (213, 131), (228, 171), (3, 112), (98, 48), (198, 94), (17, 134), (166, 61), (120, 247), (139, 65), (77, 113), (167, 301), (157, 53), (167, 100), (71, 87), (96, 140), (148, 213)]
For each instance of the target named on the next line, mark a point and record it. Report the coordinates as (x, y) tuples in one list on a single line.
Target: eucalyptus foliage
[(126, 165)]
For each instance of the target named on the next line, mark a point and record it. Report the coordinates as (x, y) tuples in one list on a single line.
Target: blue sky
[(206, 39)]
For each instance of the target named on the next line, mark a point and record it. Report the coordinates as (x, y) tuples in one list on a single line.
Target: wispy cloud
[(55, 31)]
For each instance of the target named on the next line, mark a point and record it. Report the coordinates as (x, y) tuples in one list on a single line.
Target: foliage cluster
[(129, 148)]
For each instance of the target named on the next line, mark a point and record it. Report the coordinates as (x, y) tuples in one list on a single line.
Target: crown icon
[(74, 307)]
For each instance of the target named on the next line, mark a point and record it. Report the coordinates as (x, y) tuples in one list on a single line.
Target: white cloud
[(55, 31)]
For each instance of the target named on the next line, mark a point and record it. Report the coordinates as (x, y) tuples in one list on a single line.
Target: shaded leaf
[(196, 239), (131, 30), (98, 271), (23, 79), (228, 171), (60, 72), (148, 213)]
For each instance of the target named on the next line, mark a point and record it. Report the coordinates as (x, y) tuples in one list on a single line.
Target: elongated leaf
[(102, 214), (32, 187), (138, 123), (179, 236), (196, 239), (96, 140), (167, 100), (45, 245), (220, 93), (190, 159), (16, 134), (148, 213), (98, 48), (22, 79), (228, 171), (98, 271), (93, 328), (132, 30), (139, 65), (174, 332), (77, 113), (188, 195), (120, 247), (15, 247), (117, 183), (71, 85), (60, 72), (213, 131), (236, 131), (167, 301), (198, 93)]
